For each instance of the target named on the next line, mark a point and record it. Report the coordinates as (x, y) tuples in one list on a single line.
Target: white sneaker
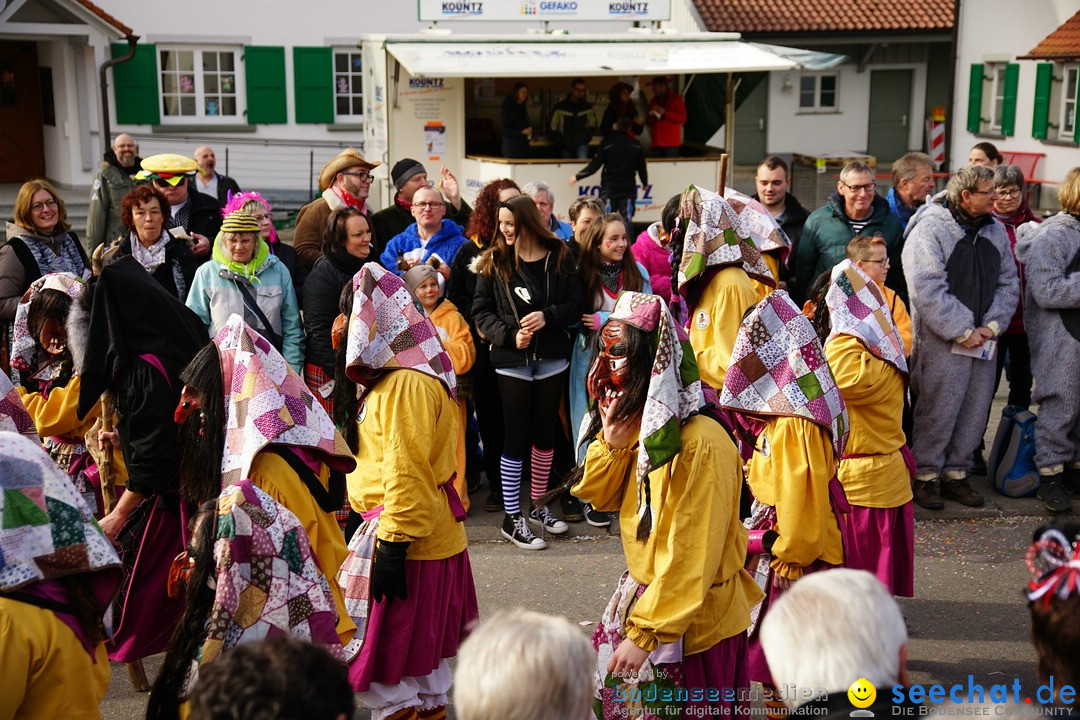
[(516, 530), (546, 519)]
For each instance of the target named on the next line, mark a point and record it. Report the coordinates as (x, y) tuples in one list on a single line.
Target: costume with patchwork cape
[(685, 597), (866, 356), (49, 542), (780, 386), (402, 487)]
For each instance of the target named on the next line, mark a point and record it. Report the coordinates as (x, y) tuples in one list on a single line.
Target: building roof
[(106, 17), (839, 16), (1062, 44)]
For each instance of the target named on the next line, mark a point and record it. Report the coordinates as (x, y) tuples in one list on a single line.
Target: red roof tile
[(1063, 43), (106, 17), (796, 16)]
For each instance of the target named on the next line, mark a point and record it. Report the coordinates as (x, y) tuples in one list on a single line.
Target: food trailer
[(436, 98)]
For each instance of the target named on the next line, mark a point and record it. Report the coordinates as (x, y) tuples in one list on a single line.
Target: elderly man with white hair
[(544, 198), (831, 630)]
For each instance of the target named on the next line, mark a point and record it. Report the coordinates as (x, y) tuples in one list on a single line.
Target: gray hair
[(832, 628), (908, 165), (536, 187), (855, 166), (1006, 175), (524, 665), (966, 178)]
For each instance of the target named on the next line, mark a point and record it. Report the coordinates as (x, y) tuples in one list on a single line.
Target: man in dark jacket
[(210, 182), (774, 192), (621, 156), (855, 209), (198, 214), (573, 122), (111, 184), (409, 176)]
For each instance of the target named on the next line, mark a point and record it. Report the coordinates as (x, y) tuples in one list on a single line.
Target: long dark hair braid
[(821, 320), (190, 633), (346, 404), (669, 220)]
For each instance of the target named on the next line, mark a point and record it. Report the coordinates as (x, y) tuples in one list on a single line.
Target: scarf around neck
[(247, 270), (610, 276)]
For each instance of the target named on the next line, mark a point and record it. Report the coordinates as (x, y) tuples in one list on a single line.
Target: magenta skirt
[(882, 541), (759, 666), (409, 638)]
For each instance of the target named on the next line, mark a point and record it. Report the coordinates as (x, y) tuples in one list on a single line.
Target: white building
[(1016, 83)]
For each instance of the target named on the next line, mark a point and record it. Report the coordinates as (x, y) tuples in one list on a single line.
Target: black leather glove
[(388, 572), (769, 539)]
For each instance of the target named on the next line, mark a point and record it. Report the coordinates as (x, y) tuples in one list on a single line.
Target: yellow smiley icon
[(862, 693)]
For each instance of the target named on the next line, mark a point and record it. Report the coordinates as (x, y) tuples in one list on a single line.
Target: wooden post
[(721, 180)]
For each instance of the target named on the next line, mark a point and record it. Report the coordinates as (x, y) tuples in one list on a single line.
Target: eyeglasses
[(362, 175), (426, 205), (869, 187), (38, 207), (162, 183), (882, 263), (1014, 193), (980, 192)]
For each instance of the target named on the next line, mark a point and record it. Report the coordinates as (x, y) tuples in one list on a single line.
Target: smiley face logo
[(862, 693)]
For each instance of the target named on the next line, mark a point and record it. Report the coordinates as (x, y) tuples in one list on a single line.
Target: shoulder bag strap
[(250, 304)]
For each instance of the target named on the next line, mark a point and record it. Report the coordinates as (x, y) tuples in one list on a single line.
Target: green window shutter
[(1044, 75), (1008, 106), (1076, 121), (975, 92), (135, 86), (313, 83), (265, 70)]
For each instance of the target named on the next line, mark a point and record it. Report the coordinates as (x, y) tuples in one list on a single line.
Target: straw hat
[(347, 158)]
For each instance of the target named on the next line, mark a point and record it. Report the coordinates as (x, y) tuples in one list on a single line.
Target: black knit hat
[(405, 169)]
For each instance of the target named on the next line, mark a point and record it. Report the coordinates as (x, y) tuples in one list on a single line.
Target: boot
[(1072, 480), (926, 494), (959, 489), (1053, 493)]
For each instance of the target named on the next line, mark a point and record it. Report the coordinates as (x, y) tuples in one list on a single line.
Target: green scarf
[(247, 270)]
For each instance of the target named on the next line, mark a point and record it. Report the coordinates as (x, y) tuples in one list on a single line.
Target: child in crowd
[(456, 339)]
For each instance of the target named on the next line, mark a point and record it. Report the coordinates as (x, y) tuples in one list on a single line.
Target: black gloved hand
[(769, 539), (388, 572)]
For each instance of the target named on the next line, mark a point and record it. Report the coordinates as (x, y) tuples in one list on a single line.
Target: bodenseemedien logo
[(862, 694)]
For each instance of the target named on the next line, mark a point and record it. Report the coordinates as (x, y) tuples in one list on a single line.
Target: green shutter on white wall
[(1008, 106), (313, 84), (265, 71), (975, 91), (135, 86), (1044, 76)]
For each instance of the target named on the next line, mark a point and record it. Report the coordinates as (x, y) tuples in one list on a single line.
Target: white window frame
[(200, 92), (1065, 114), (817, 107), (351, 74), (993, 103)]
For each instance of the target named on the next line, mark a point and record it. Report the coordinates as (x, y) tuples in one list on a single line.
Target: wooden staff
[(107, 475), (721, 181)]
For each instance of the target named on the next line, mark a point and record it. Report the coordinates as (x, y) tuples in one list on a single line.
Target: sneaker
[(494, 502), (516, 530), (959, 489), (546, 519), (571, 508), (927, 495), (1053, 494), (596, 518)]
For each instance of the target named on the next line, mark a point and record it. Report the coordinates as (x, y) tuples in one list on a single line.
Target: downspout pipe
[(106, 128)]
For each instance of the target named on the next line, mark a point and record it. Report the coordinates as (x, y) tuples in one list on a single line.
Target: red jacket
[(667, 130)]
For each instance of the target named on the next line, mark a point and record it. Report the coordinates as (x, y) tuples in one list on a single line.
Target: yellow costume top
[(272, 474), (457, 339), (791, 471), (899, 314), (403, 461), (715, 321), (55, 415), (874, 392), (47, 671), (693, 560)]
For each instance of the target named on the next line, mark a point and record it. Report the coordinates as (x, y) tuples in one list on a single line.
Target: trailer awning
[(565, 57)]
